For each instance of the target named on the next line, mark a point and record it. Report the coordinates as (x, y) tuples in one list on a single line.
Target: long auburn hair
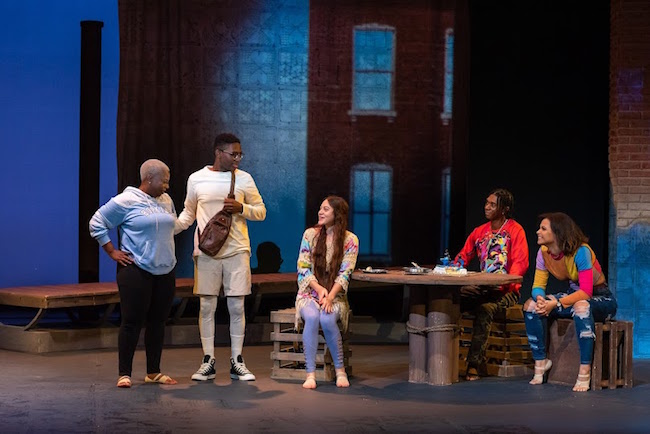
[(326, 275), (568, 235)]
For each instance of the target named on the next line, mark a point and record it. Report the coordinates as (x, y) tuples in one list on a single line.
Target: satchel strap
[(232, 185)]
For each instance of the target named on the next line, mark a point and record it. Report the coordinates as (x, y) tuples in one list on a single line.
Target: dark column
[(89, 113), (459, 154)]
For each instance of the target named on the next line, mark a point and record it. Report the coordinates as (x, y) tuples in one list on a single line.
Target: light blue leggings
[(312, 317)]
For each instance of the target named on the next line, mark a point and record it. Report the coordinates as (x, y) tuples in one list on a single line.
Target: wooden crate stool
[(288, 357), (507, 353), (612, 362)]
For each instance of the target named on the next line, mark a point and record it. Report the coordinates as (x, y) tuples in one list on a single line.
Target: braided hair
[(505, 201)]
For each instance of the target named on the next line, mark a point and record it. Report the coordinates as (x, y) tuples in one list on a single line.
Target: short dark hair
[(224, 139), (505, 201)]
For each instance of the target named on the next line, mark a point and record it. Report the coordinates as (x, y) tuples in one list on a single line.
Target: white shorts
[(234, 272)]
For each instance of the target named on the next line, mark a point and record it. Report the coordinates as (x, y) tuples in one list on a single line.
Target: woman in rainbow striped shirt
[(565, 254)]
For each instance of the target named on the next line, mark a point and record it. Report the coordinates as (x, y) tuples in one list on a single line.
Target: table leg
[(37, 317), (179, 311), (406, 300), (254, 307), (455, 344), (417, 342), (441, 312)]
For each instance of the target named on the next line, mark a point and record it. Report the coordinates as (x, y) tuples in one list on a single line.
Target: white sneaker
[(206, 371), (239, 371)]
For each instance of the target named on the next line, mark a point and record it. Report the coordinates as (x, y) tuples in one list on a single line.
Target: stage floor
[(74, 392)]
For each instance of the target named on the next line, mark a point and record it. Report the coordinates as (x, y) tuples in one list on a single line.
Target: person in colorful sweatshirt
[(565, 254), (146, 258), (501, 247), (327, 257)]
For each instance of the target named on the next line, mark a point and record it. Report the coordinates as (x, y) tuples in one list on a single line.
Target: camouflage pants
[(484, 306)]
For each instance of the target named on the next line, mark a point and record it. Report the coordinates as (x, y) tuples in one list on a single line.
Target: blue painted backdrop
[(40, 45), (39, 131)]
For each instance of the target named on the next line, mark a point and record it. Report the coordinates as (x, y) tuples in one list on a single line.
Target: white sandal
[(582, 383), (541, 373), (124, 382), (310, 382), (342, 379)]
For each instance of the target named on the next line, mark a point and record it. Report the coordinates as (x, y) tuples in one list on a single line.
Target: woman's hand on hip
[(121, 257)]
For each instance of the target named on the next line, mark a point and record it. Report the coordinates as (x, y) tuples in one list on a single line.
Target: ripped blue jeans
[(602, 306)]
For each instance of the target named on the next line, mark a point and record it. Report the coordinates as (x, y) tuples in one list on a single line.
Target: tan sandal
[(124, 382), (161, 379), (582, 383), (472, 374), (310, 382), (541, 373), (342, 379)]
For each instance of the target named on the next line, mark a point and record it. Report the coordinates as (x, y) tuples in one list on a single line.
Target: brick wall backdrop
[(629, 166), (414, 143)]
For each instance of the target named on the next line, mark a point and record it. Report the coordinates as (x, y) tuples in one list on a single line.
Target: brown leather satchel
[(216, 231)]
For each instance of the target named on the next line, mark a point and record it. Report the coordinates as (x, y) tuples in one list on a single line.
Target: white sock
[(208, 345), (236, 345), (207, 310)]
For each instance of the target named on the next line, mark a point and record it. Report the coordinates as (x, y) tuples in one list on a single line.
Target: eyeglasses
[(235, 155)]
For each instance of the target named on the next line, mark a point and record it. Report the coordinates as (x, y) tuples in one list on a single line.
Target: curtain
[(162, 100)]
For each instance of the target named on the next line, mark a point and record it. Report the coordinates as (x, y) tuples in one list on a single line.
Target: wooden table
[(434, 305)]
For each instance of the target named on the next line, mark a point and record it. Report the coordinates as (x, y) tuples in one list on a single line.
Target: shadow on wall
[(269, 258)]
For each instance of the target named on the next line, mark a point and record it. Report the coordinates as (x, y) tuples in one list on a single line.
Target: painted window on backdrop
[(449, 77), (371, 192), (373, 70)]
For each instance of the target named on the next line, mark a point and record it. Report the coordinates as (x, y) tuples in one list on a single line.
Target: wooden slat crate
[(612, 362), (612, 366), (288, 357), (507, 353)]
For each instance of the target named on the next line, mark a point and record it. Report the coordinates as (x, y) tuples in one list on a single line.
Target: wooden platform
[(76, 295), (72, 296), (66, 328), (182, 333)]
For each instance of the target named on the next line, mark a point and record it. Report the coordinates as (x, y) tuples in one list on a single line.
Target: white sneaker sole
[(247, 377), (200, 377)]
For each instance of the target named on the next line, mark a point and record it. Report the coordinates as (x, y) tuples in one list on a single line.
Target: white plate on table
[(417, 270)]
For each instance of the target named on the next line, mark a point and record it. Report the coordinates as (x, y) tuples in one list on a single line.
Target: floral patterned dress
[(306, 273)]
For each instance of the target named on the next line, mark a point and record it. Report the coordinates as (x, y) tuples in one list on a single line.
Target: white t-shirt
[(206, 191)]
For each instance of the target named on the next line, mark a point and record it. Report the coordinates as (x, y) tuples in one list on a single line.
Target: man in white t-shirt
[(207, 191)]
